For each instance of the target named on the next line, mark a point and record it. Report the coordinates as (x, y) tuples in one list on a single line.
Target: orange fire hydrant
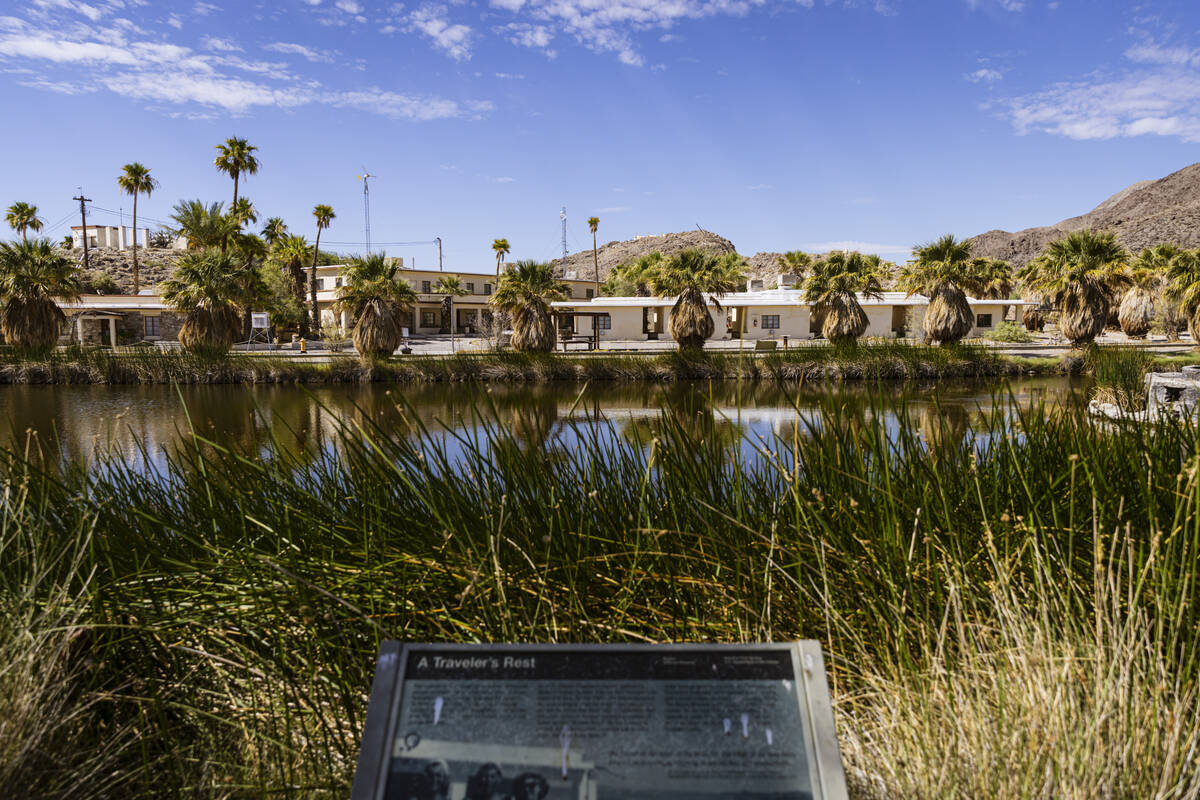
[(304, 345)]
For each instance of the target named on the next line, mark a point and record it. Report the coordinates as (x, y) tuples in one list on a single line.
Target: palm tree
[(833, 290), (22, 217), (1183, 287), (208, 287), (274, 230), (236, 158), (794, 262), (324, 215), (500, 247), (243, 213), (135, 179), (250, 249), (1146, 275), (204, 226), (633, 277), (293, 253), (32, 276), (525, 291), (1077, 272), (942, 271), (593, 226), (375, 297), (452, 287), (991, 278), (689, 275)]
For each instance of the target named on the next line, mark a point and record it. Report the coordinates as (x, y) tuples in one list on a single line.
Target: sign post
[(600, 722), (260, 328)]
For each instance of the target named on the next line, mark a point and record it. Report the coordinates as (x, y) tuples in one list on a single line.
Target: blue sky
[(779, 124)]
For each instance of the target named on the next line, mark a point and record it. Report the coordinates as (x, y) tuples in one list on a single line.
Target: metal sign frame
[(383, 710)]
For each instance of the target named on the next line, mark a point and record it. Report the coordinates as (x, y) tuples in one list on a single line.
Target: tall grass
[(1120, 373), (883, 359), (1010, 605)]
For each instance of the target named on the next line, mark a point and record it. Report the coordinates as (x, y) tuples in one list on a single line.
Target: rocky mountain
[(1142, 215), (154, 265), (613, 253)]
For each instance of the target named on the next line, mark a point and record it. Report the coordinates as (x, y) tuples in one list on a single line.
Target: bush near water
[(1009, 604)]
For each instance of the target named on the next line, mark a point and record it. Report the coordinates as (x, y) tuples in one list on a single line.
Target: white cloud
[(510, 76), (453, 39), (299, 50), (175, 22), (205, 9), (220, 45), (504, 179), (349, 6), (862, 247), (1160, 97), (189, 84), (525, 35), (985, 75), (1003, 5), (613, 210), (89, 11)]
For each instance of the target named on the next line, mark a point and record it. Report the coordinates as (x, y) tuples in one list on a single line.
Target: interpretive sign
[(260, 320), (599, 722)]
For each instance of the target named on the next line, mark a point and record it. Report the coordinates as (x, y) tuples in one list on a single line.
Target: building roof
[(766, 298), (116, 302)]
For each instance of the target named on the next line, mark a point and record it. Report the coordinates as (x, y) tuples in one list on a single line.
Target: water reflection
[(138, 422)]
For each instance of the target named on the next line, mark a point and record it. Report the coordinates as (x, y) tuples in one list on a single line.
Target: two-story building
[(471, 310)]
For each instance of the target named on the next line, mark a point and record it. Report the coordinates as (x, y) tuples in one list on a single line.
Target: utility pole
[(439, 241), (83, 218)]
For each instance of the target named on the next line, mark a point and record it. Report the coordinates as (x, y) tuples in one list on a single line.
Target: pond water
[(139, 423)]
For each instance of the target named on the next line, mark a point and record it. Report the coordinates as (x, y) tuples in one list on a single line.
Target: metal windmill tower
[(365, 178), (563, 216)]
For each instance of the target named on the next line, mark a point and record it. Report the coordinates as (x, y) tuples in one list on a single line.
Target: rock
[(1142, 215), (155, 265), (614, 253)]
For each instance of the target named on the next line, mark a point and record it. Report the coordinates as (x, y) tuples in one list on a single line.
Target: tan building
[(471, 310), (113, 319)]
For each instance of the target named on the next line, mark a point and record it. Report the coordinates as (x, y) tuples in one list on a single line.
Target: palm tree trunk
[(136, 281), (595, 264), (225, 239), (312, 275)]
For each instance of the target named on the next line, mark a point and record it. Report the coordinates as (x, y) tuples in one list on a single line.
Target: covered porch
[(106, 325)]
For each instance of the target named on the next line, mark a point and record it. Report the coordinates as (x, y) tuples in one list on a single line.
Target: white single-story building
[(765, 314)]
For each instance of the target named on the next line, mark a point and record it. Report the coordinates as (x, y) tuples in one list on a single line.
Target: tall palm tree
[(688, 276), (942, 271), (208, 287), (450, 286), (500, 247), (1077, 272), (525, 291), (293, 252), (135, 179), (32, 276), (324, 215), (375, 297), (833, 290), (204, 226), (22, 217), (235, 157), (274, 230), (593, 226), (1183, 288), (990, 278), (251, 250)]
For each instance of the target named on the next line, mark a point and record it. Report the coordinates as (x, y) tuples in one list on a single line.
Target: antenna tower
[(563, 216), (365, 178)]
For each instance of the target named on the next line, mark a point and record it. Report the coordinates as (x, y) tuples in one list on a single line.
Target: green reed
[(1009, 601)]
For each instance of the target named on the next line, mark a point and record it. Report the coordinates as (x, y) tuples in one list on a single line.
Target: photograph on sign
[(546, 724)]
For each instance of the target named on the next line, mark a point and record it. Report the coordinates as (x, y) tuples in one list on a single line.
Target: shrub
[(1009, 332)]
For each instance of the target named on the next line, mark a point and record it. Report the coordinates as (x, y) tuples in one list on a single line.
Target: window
[(487, 288), (471, 287), (151, 327), (770, 322), (591, 293), (430, 319), (983, 321), (337, 282), (604, 322), (426, 287)]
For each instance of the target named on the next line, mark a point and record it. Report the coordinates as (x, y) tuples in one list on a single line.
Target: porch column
[(79, 326), (112, 331)]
